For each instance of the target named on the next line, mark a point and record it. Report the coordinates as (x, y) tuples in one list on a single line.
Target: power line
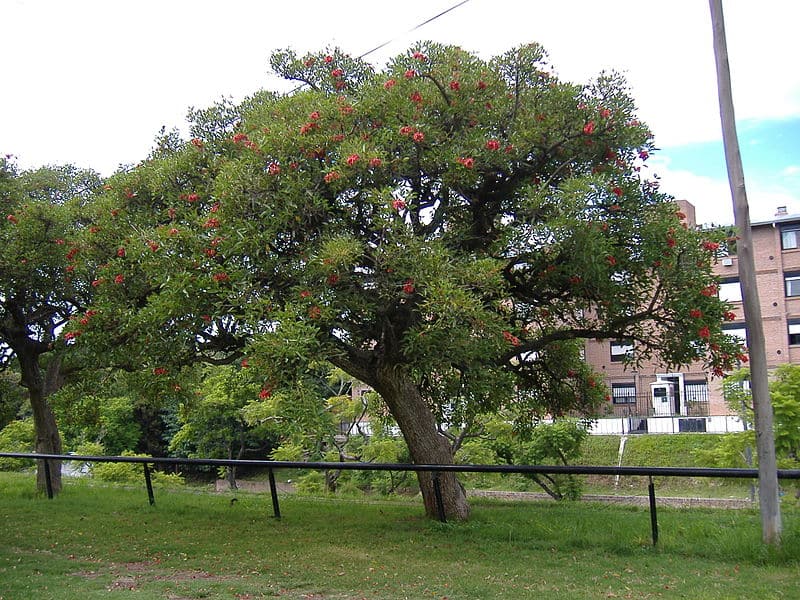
[(433, 18)]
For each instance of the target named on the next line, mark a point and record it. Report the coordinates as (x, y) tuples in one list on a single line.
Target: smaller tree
[(213, 423)]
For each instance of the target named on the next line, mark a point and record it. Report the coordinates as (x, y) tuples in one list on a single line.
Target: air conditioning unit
[(727, 262)]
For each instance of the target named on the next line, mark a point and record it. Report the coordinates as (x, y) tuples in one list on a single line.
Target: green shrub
[(132, 473), (17, 436)]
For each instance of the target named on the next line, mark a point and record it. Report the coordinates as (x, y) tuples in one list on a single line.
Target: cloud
[(791, 171)]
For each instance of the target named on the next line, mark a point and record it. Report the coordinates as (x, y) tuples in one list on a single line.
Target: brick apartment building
[(651, 391)]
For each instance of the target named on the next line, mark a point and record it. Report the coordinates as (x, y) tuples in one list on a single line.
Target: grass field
[(100, 542)]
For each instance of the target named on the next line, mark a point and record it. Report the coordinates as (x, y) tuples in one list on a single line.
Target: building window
[(730, 290), (794, 332), (621, 350), (792, 281), (623, 393), (737, 331), (790, 237), (696, 391)]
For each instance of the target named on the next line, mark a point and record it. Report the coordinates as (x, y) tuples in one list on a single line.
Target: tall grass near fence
[(92, 539)]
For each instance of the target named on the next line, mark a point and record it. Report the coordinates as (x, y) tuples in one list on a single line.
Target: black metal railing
[(436, 470)]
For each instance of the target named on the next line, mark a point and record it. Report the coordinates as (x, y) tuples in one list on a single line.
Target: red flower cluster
[(305, 294), (710, 246), (264, 393), (611, 260), (314, 312), (304, 129), (71, 335), (418, 137), (409, 74), (197, 142), (221, 276), (492, 145), (467, 162), (605, 113), (331, 176), (406, 130), (704, 333), (408, 286), (239, 138), (419, 56), (588, 129), (333, 279), (729, 316), (274, 169), (119, 279), (696, 313), (336, 73), (389, 84), (481, 85), (416, 97), (617, 191), (98, 282), (353, 159), (710, 290), (455, 85), (12, 219), (160, 371), (375, 162), (211, 223), (511, 338)]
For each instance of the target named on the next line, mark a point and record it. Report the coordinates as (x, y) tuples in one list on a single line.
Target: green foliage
[(131, 473), (16, 436)]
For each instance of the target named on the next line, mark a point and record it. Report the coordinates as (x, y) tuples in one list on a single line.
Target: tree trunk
[(426, 444), (769, 500)]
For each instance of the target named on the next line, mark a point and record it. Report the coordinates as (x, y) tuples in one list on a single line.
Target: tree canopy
[(448, 230)]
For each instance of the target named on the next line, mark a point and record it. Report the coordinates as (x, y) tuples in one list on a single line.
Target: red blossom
[(492, 145), (264, 393), (419, 56), (729, 316), (274, 169), (12, 219), (353, 159), (221, 276), (305, 294), (70, 268), (331, 176), (481, 85), (408, 286), (710, 246), (398, 204), (696, 313), (328, 59), (575, 280), (588, 129), (160, 371), (98, 282), (617, 191), (709, 291), (119, 279), (611, 260), (206, 318), (406, 130), (314, 116), (455, 85), (467, 162), (245, 364), (239, 137), (337, 73), (210, 252), (644, 155), (418, 137), (197, 142), (333, 279), (409, 74), (671, 242), (314, 312), (704, 333), (129, 194), (375, 162), (173, 231), (511, 338), (605, 113), (59, 242), (211, 223), (416, 97), (389, 84)]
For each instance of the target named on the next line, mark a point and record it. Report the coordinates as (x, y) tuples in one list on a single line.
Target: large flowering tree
[(38, 293), (448, 230)]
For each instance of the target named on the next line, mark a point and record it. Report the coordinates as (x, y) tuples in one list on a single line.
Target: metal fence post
[(149, 484), (273, 490), (651, 489), (48, 481), (437, 492)]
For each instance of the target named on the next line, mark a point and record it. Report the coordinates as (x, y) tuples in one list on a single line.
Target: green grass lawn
[(101, 542)]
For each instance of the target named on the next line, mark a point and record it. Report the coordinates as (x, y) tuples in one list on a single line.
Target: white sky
[(90, 82)]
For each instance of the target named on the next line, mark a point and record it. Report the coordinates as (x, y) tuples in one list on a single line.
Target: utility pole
[(768, 498)]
